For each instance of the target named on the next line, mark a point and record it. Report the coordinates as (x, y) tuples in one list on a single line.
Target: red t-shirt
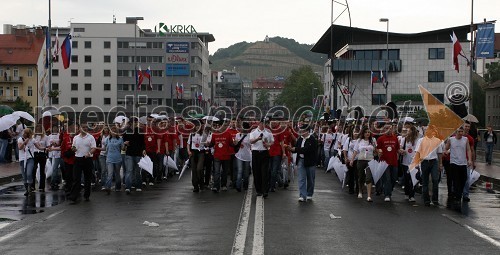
[(233, 133), (222, 143), (390, 147), (275, 149), (67, 142), (150, 140), (471, 144)]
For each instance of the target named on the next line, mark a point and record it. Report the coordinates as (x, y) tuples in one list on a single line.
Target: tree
[(21, 105), (263, 99), (493, 73), (299, 88)]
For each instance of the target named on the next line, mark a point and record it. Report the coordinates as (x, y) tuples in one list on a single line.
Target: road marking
[(476, 232), (53, 215), (10, 235), (258, 231), (241, 231)]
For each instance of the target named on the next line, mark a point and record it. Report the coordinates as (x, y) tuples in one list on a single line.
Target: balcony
[(365, 65), (7, 99), (10, 79)]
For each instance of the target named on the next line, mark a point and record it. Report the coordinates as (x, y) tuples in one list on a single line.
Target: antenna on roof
[(114, 17)]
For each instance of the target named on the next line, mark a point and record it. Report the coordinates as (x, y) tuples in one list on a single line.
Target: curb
[(496, 182), (10, 179)]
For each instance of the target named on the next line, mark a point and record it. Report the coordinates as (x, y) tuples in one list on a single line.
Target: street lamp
[(387, 57), (133, 20)]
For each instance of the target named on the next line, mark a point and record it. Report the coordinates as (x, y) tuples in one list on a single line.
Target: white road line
[(53, 215), (258, 231), (476, 232), (241, 231), (10, 235)]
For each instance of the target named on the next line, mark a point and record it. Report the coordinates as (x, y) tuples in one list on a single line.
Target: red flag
[(457, 49), (139, 78)]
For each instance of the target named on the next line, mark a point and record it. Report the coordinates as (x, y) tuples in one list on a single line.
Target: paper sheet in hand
[(413, 174), (377, 169), (48, 171), (474, 176), (146, 164), (186, 164), (169, 162)]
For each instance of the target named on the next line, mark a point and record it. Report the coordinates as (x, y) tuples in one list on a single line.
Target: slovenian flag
[(148, 75), (55, 54), (138, 78), (66, 51)]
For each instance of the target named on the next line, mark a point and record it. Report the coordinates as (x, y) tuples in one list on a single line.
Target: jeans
[(220, 177), (104, 170), (467, 184), (430, 167), (132, 172), (390, 177), (242, 174), (3, 149), (275, 171), (328, 155), (113, 168), (489, 152), (27, 171), (55, 178), (306, 179)]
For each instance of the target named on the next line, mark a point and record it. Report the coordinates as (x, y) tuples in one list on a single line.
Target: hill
[(273, 57)]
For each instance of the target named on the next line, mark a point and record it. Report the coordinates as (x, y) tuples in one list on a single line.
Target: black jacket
[(309, 150), (485, 137)]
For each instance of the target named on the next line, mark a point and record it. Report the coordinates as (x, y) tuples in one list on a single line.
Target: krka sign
[(176, 29)]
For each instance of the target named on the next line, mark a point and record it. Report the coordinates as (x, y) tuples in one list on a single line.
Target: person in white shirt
[(364, 151), (428, 153), (243, 157), (40, 154), (408, 144), (196, 153), (348, 152), (84, 146), (329, 140), (460, 158), (26, 146), (261, 140), (54, 150), (19, 133)]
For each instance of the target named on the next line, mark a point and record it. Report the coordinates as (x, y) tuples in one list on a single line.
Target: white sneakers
[(369, 199), (360, 195), (387, 199), (309, 198), (139, 190), (412, 199), (151, 184), (301, 199)]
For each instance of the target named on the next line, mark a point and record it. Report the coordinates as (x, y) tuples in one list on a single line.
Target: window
[(30, 72), (74, 86), (122, 59), (87, 72), (88, 44), (15, 91), (74, 100), (123, 45), (74, 58), (55, 100), (107, 100), (55, 72), (107, 73), (107, 59), (88, 59), (88, 100), (436, 53), (107, 87), (376, 54), (436, 76), (378, 99), (74, 72), (88, 86), (74, 44), (439, 97), (107, 44), (1, 91), (79, 29), (15, 72), (30, 91), (55, 86)]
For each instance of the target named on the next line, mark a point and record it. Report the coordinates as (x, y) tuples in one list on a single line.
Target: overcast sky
[(232, 21)]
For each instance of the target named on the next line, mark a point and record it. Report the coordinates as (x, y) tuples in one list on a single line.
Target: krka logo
[(175, 29)]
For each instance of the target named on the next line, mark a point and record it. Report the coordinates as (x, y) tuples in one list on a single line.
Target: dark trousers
[(409, 191), (260, 170), (221, 167), (352, 176), (196, 163), (85, 166), (67, 175), (208, 161), (40, 160), (459, 178)]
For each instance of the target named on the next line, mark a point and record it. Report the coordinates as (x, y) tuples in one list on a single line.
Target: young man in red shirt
[(221, 140), (152, 150), (388, 147), (170, 142)]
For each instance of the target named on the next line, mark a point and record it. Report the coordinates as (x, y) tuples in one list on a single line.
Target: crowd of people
[(223, 154)]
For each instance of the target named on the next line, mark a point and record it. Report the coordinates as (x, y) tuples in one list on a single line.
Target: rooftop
[(17, 49)]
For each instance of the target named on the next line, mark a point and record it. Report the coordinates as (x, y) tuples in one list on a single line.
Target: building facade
[(229, 90), (493, 105), (271, 86), (21, 57), (362, 61)]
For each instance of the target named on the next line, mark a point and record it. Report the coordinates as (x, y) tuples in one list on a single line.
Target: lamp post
[(133, 20), (387, 58)]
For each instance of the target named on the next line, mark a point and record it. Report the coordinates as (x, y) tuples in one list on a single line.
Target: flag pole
[(49, 30), (471, 83)]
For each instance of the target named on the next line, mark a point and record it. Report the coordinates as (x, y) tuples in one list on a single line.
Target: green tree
[(299, 88), (21, 105), (493, 73), (262, 99)]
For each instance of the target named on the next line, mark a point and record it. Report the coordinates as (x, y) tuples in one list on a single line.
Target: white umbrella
[(120, 119), (341, 170), (24, 115), (407, 119), (154, 115), (473, 177), (51, 112), (471, 118), (210, 118), (333, 161), (184, 168), (8, 121), (350, 119), (146, 164), (377, 169), (48, 171), (169, 162)]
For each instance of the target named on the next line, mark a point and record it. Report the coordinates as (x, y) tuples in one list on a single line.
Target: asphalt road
[(231, 222)]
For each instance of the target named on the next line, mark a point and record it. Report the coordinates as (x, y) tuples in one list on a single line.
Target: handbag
[(238, 145)]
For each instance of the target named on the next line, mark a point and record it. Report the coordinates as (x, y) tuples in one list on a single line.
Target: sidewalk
[(10, 172), (489, 173)]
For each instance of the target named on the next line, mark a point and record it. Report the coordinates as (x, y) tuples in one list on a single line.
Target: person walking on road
[(195, 149), (388, 148), (460, 158), (26, 146), (364, 151), (261, 140), (408, 145), (490, 138), (84, 146), (306, 149)]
